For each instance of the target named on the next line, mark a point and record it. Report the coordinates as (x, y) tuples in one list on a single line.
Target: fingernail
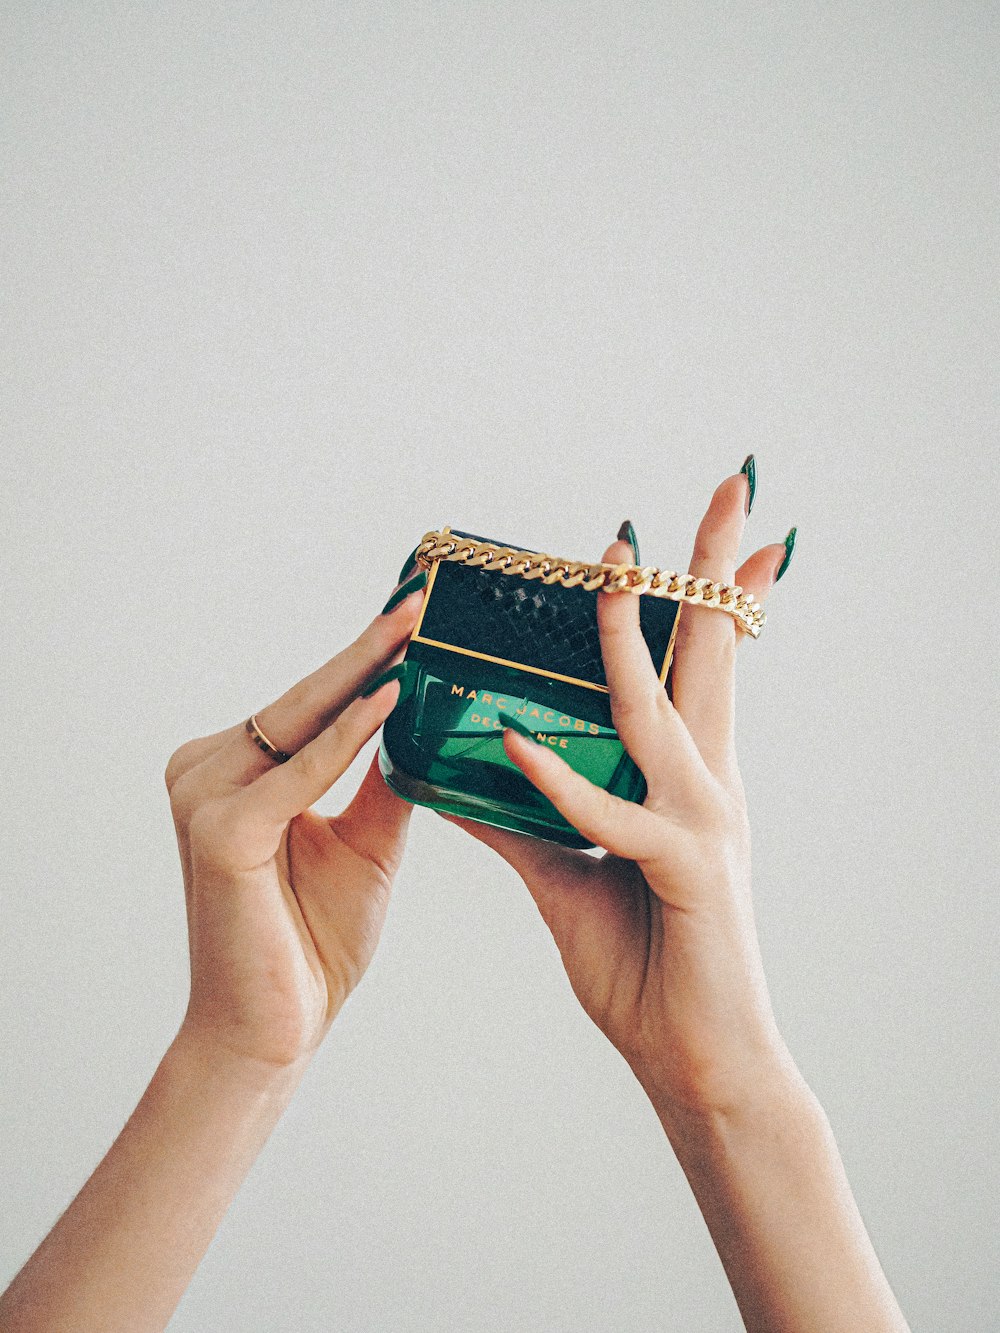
[(789, 548), (516, 725), (626, 533), (749, 470), (408, 564), (411, 585), (397, 672)]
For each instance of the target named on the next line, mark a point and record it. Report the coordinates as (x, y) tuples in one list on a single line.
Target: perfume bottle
[(490, 645)]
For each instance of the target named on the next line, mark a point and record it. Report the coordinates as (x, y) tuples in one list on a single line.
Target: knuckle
[(183, 758), (705, 546), (310, 765), (628, 711), (216, 829)]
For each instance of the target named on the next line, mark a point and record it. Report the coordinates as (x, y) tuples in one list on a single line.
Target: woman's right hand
[(658, 937), (659, 943)]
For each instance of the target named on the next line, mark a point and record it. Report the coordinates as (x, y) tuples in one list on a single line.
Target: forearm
[(121, 1256), (772, 1188)]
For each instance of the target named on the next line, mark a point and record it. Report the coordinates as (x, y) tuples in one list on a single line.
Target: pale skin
[(285, 908)]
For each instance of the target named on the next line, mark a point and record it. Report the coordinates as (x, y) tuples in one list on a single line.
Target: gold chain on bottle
[(636, 579)]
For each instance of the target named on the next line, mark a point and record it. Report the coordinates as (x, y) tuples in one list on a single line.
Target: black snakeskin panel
[(529, 623)]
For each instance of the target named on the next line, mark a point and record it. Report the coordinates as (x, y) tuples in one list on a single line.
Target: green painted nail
[(515, 724), (626, 533), (411, 585), (408, 564), (398, 671), (789, 548), (749, 470)]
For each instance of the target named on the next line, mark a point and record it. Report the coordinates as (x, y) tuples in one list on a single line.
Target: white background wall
[(287, 284)]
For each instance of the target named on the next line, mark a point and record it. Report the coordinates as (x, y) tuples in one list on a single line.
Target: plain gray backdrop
[(284, 286)]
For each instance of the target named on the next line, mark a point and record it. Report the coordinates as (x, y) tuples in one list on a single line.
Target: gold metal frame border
[(417, 637)]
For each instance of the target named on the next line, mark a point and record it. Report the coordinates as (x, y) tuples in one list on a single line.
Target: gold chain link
[(636, 579)]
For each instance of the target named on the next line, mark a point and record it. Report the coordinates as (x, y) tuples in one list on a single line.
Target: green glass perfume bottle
[(489, 645)]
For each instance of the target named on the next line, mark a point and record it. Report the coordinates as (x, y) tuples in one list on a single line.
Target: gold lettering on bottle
[(522, 710)]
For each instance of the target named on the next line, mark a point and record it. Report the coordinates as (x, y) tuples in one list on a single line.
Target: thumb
[(375, 822)]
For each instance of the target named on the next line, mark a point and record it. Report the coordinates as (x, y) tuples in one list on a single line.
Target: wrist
[(201, 1058), (725, 1079), (769, 1091)]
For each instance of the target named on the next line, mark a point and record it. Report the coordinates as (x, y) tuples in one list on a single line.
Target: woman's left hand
[(284, 911)]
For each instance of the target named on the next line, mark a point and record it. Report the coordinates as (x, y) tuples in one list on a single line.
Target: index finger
[(307, 708)]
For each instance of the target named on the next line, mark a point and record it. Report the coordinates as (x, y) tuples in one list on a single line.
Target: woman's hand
[(659, 943), (284, 912), (658, 936), (284, 906)]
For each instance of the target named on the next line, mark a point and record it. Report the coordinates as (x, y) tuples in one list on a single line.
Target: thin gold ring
[(260, 740)]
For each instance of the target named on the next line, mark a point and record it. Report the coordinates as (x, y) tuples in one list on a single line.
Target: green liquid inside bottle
[(442, 745), (489, 646)]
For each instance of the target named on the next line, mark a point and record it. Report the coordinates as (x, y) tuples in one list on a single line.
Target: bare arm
[(660, 946), (772, 1188), (284, 911), (122, 1254)]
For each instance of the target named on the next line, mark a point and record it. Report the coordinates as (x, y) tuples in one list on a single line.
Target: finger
[(619, 826), (705, 656), (302, 711), (289, 788), (374, 824), (758, 573), (196, 751), (646, 721), (353, 908), (307, 708)]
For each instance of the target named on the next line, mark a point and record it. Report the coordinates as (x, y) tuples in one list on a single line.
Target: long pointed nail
[(749, 470), (398, 671), (789, 548), (411, 585), (626, 533), (515, 724)]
